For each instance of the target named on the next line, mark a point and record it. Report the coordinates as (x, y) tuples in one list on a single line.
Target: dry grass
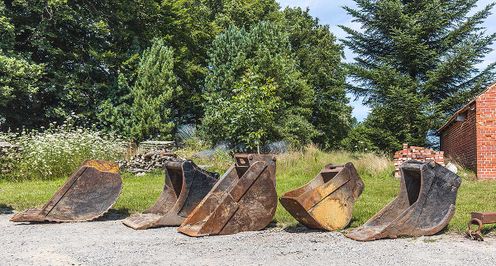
[(297, 168)]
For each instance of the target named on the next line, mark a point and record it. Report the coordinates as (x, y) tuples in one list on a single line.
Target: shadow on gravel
[(300, 229), (111, 215), (114, 215), (6, 209)]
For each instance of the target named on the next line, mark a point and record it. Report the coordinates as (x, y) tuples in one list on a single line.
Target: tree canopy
[(243, 72)]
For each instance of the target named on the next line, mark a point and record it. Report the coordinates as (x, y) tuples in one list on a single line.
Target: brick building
[(469, 136)]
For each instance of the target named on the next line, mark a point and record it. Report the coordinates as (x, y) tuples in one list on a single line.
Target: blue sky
[(330, 12)]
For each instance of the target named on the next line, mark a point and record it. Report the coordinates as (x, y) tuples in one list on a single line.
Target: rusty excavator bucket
[(327, 201), (185, 186), (425, 205), (244, 199), (85, 196)]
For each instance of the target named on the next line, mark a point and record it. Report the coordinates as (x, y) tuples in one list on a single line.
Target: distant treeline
[(243, 72)]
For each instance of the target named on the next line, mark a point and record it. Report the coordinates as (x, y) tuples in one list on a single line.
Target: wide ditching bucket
[(244, 199), (327, 201), (86, 195), (425, 205), (185, 186)]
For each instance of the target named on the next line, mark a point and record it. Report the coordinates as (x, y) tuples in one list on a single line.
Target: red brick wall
[(458, 141), (486, 134)]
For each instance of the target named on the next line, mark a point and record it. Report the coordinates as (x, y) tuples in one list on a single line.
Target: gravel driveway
[(110, 243)]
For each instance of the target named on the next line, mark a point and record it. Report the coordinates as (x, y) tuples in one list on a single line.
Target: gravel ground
[(111, 243)]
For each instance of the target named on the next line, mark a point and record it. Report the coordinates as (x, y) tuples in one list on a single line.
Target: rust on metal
[(244, 199), (327, 201), (425, 205), (185, 186), (86, 195), (479, 219)]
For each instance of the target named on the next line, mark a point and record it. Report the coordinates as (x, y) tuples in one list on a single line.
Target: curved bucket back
[(327, 201), (244, 199), (185, 186), (86, 195), (425, 205)]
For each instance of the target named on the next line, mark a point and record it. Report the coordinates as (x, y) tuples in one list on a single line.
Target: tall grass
[(57, 151), (295, 169)]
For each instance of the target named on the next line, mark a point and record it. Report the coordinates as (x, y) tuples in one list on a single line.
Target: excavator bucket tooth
[(85, 196), (185, 186), (425, 205), (244, 199), (327, 201)]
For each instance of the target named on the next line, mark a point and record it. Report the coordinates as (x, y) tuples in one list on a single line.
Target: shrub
[(58, 151)]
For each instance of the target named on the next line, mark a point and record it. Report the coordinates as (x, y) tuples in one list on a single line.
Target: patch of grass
[(138, 192), (293, 170), (297, 168)]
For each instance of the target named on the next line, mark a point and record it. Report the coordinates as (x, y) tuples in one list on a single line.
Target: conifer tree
[(416, 63), (256, 65), (147, 111)]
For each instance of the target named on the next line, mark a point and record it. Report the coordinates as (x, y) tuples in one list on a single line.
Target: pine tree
[(256, 65), (153, 94), (147, 111), (416, 63)]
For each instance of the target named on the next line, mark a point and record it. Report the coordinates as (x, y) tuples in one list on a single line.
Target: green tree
[(72, 41), (261, 58), (319, 60), (84, 45), (416, 63), (147, 111), (248, 117), (242, 13), (19, 79)]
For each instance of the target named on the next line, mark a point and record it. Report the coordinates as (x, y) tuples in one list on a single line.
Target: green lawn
[(293, 170)]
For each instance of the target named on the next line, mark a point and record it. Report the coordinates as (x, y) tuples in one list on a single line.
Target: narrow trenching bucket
[(244, 199), (327, 201), (185, 186), (425, 205), (85, 196)]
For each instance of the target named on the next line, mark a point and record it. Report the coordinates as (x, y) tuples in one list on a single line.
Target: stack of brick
[(416, 153)]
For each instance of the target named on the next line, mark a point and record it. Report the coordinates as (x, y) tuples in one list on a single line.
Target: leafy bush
[(58, 151)]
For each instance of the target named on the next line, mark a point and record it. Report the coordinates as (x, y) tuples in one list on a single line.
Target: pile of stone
[(416, 153), (155, 145), (143, 163)]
